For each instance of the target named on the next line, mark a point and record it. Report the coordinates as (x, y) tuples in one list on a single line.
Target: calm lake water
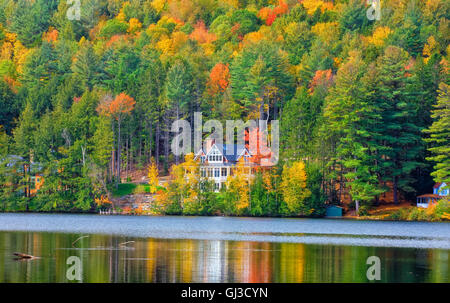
[(219, 249)]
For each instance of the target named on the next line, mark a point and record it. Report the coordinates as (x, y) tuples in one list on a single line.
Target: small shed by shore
[(333, 211), (440, 191)]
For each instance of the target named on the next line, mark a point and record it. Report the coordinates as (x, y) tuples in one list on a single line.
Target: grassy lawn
[(129, 188), (123, 189)]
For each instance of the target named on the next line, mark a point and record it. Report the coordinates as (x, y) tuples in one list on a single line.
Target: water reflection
[(104, 259)]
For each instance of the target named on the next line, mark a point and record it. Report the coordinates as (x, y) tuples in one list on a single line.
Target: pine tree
[(350, 117), (439, 136), (86, 66), (179, 88), (102, 142), (23, 134), (400, 134)]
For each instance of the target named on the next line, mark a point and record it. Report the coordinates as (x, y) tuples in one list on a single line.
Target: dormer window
[(215, 156)]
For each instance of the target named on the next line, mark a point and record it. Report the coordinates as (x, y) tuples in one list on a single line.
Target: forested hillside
[(363, 105)]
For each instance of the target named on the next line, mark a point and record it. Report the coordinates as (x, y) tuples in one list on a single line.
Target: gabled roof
[(11, 160), (199, 153), (231, 152), (437, 185)]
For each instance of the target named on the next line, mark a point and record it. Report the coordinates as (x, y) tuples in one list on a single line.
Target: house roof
[(231, 152), (437, 185), (11, 160), (430, 196)]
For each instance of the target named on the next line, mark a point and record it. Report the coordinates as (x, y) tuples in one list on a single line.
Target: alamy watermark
[(75, 270), (374, 11), (374, 271), (74, 10)]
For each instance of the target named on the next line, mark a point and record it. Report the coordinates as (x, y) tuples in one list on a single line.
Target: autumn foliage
[(322, 78), (294, 186), (269, 14), (122, 104), (103, 201), (153, 177), (51, 35), (258, 145), (219, 79), (201, 34)]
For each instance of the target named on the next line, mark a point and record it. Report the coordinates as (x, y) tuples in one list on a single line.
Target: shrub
[(364, 210), (113, 27)]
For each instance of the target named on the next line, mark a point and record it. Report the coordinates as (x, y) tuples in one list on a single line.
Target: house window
[(203, 172), (216, 186), (224, 171), (217, 172), (210, 172), (215, 156), (203, 158)]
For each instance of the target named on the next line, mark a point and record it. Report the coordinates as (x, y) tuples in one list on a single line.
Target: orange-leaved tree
[(258, 145), (201, 34), (219, 79), (269, 14)]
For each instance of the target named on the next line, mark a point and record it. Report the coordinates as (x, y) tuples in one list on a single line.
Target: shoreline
[(343, 218)]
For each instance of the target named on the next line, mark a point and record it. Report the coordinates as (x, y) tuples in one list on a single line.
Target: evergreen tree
[(178, 90), (439, 136), (23, 134), (350, 118), (400, 134)]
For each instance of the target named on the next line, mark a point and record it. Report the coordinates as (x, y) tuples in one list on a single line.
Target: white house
[(440, 190), (218, 160)]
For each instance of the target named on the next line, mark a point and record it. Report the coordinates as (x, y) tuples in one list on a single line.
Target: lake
[(220, 249)]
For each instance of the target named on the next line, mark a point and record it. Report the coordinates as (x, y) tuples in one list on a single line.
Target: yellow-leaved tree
[(153, 179), (293, 187), (183, 187), (238, 189), (190, 187)]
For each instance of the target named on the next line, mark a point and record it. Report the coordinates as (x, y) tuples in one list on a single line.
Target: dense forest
[(363, 104)]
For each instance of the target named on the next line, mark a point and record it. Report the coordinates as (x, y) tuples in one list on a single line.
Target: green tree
[(86, 67), (350, 117), (252, 72), (178, 90), (23, 134), (400, 134), (439, 136), (102, 143), (9, 107)]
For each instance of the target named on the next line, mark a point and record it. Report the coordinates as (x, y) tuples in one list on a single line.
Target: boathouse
[(440, 190)]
